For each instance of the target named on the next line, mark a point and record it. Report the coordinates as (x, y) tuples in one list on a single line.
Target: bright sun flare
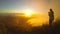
[(28, 13)]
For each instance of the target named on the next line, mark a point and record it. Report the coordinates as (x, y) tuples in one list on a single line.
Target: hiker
[(51, 16)]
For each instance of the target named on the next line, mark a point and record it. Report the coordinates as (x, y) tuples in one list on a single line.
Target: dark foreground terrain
[(17, 25)]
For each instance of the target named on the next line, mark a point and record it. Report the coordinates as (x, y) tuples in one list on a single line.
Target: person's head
[(50, 9)]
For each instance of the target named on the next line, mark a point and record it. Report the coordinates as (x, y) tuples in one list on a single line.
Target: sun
[(28, 13)]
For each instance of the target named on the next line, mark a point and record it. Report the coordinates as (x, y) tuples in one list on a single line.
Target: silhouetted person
[(51, 17)]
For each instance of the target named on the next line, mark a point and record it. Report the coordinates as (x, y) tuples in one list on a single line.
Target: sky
[(23, 4), (40, 6)]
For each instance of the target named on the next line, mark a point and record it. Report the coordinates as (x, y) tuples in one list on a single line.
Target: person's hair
[(51, 10)]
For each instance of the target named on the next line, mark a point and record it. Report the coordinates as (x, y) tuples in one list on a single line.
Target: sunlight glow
[(28, 13), (39, 20)]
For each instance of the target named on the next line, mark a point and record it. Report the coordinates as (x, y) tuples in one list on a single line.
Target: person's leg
[(50, 22)]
